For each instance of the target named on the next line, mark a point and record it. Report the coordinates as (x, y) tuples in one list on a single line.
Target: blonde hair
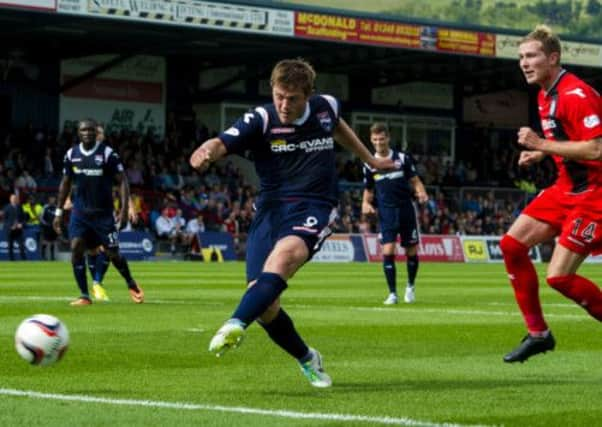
[(294, 73), (549, 41), (379, 127)]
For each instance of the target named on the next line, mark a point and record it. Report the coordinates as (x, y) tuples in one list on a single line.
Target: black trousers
[(18, 236)]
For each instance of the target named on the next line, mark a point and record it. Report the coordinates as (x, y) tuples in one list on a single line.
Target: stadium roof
[(35, 36)]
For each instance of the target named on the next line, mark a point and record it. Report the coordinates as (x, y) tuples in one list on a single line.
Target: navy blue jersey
[(293, 161), (92, 173), (47, 215), (392, 188)]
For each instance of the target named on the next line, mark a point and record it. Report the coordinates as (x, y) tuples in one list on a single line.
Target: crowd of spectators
[(175, 202)]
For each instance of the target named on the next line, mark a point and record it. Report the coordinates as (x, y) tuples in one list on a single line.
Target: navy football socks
[(79, 271), (121, 265), (91, 260), (282, 331), (102, 265), (390, 272), (259, 297), (412, 266)]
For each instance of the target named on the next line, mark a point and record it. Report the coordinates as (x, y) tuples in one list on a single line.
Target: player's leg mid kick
[(261, 302)]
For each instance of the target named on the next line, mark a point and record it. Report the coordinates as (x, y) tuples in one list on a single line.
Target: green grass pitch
[(437, 362)]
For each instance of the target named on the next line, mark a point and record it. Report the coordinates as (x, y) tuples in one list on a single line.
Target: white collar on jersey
[(304, 117), (85, 152), (388, 156)]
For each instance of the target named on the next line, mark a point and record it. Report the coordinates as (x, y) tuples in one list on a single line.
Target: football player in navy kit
[(91, 167), (292, 140), (395, 191)]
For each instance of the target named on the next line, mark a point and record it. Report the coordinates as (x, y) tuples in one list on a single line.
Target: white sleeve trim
[(107, 153), (264, 116), (333, 103)]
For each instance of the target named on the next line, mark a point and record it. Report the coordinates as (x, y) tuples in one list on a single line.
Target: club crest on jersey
[(98, 159), (591, 121), (325, 121)]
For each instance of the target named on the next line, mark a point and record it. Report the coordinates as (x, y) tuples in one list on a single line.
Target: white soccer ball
[(41, 339)]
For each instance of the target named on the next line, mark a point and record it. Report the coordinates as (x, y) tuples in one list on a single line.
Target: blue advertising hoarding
[(32, 247)]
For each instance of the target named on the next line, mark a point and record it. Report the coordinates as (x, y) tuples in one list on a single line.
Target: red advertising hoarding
[(467, 42), (356, 30), (433, 248), (392, 34)]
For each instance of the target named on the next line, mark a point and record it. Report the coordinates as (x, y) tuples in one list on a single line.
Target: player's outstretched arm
[(211, 150), (345, 136)]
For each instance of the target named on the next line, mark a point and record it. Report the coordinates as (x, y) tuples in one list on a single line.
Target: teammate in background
[(97, 260), (569, 110), (48, 236), (90, 168), (396, 211), (292, 140)]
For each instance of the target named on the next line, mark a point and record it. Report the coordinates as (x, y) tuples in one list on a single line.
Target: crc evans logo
[(308, 146)]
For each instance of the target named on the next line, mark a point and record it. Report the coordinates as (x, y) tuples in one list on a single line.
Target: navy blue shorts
[(310, 220), (96, 230), (399, 221)]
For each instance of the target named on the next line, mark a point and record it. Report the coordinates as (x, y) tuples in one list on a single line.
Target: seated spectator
[(193, 228), (231, 225), (195, 225), (165, 228), (213, 221)]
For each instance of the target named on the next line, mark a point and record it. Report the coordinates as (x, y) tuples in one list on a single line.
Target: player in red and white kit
[(570, 112)]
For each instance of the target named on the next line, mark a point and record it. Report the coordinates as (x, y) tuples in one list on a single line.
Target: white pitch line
[(418, 310), (33, 298), (231, 409), (547, 304), (376, 309)]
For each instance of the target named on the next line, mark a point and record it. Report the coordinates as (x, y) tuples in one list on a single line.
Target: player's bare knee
[(285, 263)]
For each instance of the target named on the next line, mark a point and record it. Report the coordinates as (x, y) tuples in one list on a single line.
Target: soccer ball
[(41, 339)]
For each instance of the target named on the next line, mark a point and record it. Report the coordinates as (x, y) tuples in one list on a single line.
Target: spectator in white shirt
[(195, 225)]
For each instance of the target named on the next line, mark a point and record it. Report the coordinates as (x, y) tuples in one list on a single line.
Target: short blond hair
[(379, 127), (549, 41), (294, 73)]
